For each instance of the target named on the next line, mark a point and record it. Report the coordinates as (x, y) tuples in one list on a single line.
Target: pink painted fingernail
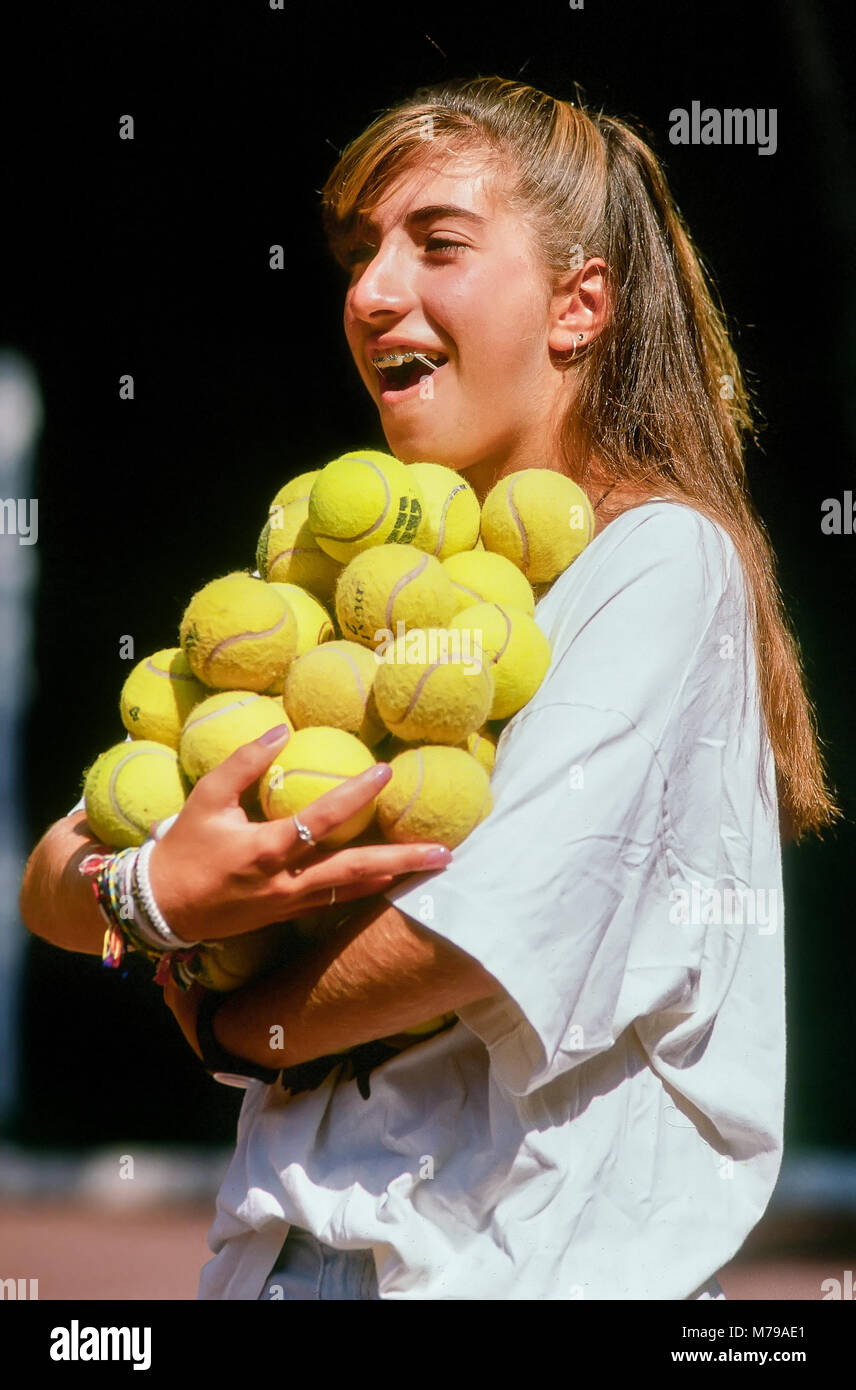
[(275, 735), (437, 855), (381, 771)]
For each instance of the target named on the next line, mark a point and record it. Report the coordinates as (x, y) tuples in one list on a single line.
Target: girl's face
[(445, 266)]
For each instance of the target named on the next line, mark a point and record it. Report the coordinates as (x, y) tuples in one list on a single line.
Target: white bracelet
[(141, 871), (141, 922)]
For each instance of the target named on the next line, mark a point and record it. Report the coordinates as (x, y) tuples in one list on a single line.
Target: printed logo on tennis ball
[(158, 695), (238, 633), (392, 588), (363, 499)]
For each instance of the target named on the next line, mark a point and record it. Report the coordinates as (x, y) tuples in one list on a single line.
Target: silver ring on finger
[(303, 830)]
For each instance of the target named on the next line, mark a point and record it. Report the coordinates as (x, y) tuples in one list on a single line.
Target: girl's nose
[(383, 285)]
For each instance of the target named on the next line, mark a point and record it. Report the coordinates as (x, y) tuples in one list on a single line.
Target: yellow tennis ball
[(311, 763), (222, 723), (158, 696), (390, 585), (432, 1025), (430, 687), (332, 685), (297, 490), (361, 500), (450, 510), (130, 786), (238, 633), (539, 519), (314, 624), (288, 553), (515, 648), (437, 794), (482, 576), (481, 745), (228, 964)]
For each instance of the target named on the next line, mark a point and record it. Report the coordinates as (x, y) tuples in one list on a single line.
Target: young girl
[(604, 1117)]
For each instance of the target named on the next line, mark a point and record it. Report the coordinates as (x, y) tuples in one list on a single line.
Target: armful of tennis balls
[(391, 617), (216, 874)]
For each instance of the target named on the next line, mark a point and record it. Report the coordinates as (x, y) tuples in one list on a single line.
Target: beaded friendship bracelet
[(121, 888)]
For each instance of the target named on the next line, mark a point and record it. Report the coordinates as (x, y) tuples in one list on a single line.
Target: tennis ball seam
[(248, 636), (168, 675), (193, 722), (111, 783), (307, 772), (363, 693), (471, 593), (416, 791), (441, 528), (524, 538), (361, 536), (400, 584), (500, 653), (418, 688)]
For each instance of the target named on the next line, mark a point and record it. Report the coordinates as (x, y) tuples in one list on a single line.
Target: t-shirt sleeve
[(545, 893)]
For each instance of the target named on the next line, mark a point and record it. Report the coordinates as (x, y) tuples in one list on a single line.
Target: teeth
[(400, 359)]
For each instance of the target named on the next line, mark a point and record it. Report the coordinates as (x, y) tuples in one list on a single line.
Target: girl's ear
[(579, 306)]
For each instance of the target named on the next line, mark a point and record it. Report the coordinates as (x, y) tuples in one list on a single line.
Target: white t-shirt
[(610, 1125)]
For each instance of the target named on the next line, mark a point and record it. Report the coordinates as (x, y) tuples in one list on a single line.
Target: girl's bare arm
[(56, 900)]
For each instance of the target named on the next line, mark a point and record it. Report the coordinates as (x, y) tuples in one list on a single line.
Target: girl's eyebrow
[(427, 214)]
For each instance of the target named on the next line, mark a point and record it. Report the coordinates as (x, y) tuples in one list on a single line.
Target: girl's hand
[(216, 873)]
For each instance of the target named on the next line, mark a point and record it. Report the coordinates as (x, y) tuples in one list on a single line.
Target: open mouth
[(400, 371)]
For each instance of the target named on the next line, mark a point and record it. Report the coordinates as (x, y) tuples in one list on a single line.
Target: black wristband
[(215, 1058)]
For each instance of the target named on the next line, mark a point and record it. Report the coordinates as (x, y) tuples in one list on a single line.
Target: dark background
[(151, 257)]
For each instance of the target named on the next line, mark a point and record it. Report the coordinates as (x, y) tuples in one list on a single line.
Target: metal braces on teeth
[(400, 359)]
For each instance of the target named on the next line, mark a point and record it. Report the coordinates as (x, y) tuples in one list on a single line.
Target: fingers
[(350, 870), (223, 785), (347, 894), (281, 843)]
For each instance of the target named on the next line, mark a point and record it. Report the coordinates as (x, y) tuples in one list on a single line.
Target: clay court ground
[(144, 1249)]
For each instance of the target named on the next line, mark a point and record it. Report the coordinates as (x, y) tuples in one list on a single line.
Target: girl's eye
[(439, 244), (357, 254)]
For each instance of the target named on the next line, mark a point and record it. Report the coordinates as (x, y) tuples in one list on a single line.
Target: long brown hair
[(661, 401)]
